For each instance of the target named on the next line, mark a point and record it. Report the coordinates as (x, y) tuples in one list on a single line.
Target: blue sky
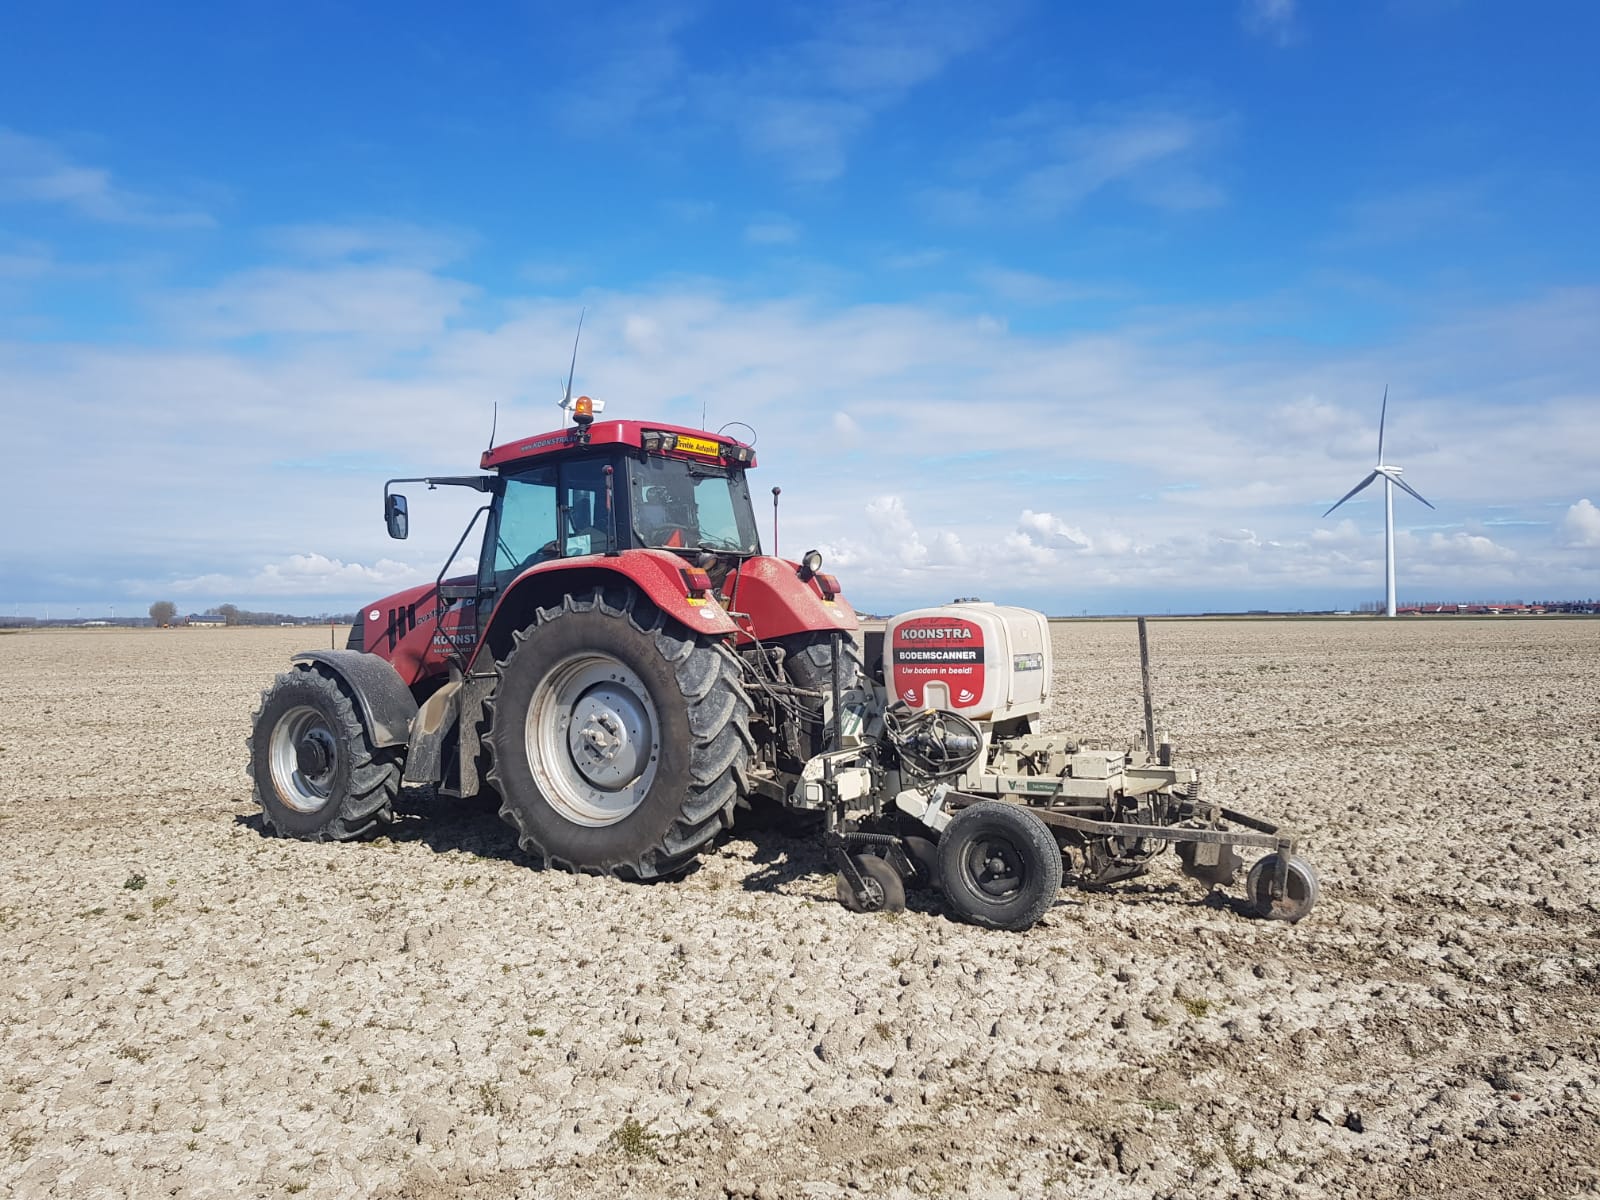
[(1087, 310)]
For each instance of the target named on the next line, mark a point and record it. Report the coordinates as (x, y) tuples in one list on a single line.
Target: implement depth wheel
[(1300, 890), (883, 892), (999, 865)]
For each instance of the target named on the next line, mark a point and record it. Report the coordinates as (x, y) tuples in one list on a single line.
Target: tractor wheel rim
[(593, 739), (995, 868), (305, 757)]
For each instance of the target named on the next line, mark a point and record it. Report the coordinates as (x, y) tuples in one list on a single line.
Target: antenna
[(566, 396), (494, 424)]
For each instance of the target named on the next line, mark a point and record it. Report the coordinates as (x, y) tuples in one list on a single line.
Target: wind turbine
[(1391, 477)]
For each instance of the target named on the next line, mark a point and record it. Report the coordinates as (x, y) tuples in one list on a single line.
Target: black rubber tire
[(878, 871), (992, 829), (808, 661), (704, 738), (1299, 895), (361, 781)]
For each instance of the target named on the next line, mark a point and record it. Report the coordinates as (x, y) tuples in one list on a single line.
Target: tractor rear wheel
[(617, 737), (316, 774)]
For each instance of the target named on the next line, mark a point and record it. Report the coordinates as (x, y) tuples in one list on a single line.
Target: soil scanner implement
[(624, 668)]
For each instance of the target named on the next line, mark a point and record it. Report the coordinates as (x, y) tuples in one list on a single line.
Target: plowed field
[(191, 1008)]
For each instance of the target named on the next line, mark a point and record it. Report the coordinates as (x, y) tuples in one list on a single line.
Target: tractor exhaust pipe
[(611, 507)]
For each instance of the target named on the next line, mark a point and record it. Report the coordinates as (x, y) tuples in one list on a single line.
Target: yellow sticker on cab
[(694, 445)]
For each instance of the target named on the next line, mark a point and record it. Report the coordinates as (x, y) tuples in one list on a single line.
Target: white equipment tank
[(987, 662)]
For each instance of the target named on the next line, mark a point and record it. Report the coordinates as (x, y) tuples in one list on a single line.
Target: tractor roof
[(677, 440)]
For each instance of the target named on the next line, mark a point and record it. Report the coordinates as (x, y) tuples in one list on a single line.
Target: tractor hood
[(385, 623)]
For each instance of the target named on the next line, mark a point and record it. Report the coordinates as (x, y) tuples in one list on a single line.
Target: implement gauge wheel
[(999, 865), (1299, 893), (884, 891)]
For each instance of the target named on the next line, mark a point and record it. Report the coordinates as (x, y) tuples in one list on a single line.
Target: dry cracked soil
[(191, 1008)]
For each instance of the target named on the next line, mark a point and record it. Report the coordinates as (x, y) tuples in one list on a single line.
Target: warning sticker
[(943, 650)]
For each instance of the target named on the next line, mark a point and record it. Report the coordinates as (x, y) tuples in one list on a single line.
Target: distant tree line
[(232, 614), (165, 612)]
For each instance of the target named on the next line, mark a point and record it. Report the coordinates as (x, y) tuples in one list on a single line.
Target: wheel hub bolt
[(601, 736), (311, 756)]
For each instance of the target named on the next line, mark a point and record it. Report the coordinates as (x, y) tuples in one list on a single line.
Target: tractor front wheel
[(808, 661), (316, 774), (617, 737)]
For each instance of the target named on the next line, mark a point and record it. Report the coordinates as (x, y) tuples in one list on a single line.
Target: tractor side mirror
[(394, 516)]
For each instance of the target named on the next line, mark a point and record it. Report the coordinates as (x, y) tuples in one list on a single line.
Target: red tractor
[(625, 667)]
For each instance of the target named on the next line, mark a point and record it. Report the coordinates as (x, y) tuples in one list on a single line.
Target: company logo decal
[(943, 650)]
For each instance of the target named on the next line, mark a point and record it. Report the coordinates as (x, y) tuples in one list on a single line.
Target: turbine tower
[(1391, 477)]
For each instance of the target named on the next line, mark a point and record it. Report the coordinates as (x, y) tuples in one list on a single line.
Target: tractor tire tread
[(718, 710), (374, 779)]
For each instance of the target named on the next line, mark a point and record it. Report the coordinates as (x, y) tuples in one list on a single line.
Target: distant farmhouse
[(206, 621)]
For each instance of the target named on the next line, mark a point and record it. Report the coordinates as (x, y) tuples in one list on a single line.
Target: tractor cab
[(665, 507), (608, 498)]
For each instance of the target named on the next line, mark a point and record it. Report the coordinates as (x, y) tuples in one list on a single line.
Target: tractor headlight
[(810, 564), (655, 441)]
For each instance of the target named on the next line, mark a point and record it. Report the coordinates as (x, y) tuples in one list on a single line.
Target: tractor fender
[(658, 574), (387, 706), (780, 603)]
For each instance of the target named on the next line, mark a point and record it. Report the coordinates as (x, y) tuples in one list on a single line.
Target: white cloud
[(1029, 287), (379, 300), (642, 334), (1049, 530), (1045, 161), (35, 171), (887, 541), (1275, 20), (1410, 215), (1581, 526), (388, 242), (309, 575), (773, 231), (1463, 547), (929, 453), (801, 103)]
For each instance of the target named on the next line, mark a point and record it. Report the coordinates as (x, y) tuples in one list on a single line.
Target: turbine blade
[(1356, 489), (1402, 483), (566, 397), (1382, 413)]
